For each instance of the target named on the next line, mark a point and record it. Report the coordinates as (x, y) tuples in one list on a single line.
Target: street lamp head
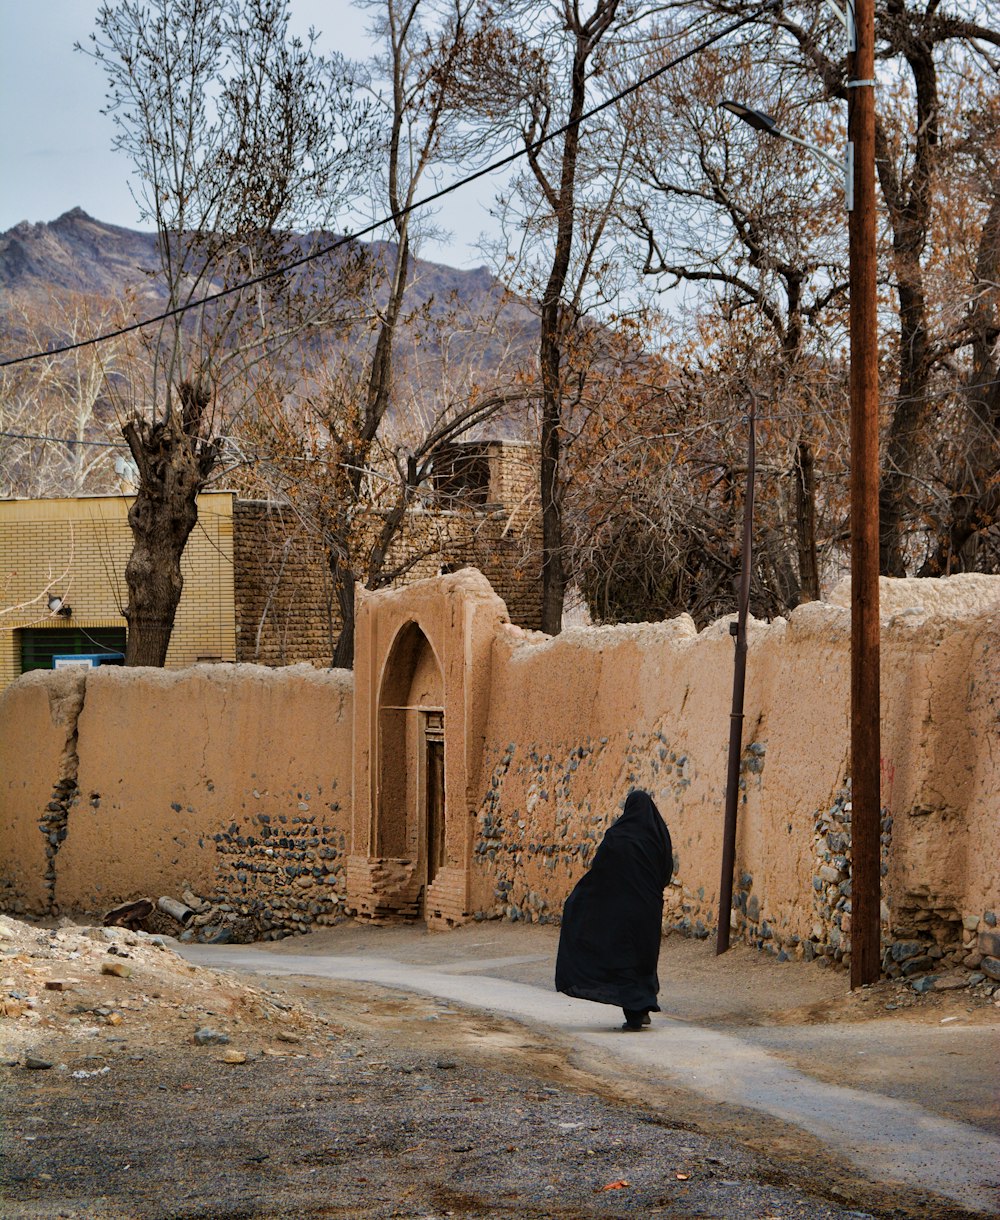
[(753, 118)]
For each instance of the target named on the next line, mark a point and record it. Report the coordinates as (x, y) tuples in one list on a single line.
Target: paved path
[(887, 1139)]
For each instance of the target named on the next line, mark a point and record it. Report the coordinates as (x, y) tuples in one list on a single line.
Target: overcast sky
[(55, 145)]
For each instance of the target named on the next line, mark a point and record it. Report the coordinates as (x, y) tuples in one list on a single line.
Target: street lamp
[(859, 169), (843, 170)]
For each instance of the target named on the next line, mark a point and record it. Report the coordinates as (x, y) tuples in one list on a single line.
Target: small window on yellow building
[(41, 645)]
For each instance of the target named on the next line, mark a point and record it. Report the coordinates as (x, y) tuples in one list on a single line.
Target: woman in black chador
[(609, 942)]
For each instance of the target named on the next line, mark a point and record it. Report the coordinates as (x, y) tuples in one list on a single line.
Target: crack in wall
[(65, 706)]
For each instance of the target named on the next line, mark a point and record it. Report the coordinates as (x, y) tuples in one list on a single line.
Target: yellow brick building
[(76, 550), (256, 585)]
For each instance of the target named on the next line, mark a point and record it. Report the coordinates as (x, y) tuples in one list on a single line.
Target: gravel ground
[(174, 1091)]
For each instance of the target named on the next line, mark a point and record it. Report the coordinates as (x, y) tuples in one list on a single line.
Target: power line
[(502, 163), (63, 440)]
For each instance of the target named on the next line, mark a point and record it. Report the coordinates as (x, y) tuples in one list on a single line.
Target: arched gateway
[(422, 675)]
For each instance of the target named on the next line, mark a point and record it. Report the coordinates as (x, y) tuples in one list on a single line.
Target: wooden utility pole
[(865, 696)]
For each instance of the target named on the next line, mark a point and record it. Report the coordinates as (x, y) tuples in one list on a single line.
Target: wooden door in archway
[(433, 802)]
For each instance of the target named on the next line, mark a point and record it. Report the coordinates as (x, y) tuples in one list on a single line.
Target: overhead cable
[(502, 163)]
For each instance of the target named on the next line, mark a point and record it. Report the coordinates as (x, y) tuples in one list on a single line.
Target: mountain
[(73, 254), (59, 283), (78, 254)]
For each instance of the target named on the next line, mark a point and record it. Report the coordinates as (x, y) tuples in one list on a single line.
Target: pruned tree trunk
[(805, 522), (344, 584), (174, 464)]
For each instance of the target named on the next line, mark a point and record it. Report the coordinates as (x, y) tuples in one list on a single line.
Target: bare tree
[(398, 512), (239, 134), (964, 523), (940, 71), (531, 73), (411, 84), (930, 55), (56, 416), (758, 231), (654, 520)]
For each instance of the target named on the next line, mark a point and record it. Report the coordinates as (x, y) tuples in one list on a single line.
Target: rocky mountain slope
[(66, 280), (78, 254)]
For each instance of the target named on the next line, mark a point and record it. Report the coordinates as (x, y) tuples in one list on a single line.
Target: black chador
[(609, 942)]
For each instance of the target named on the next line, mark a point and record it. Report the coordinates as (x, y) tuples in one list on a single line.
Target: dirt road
[(179, 1091)]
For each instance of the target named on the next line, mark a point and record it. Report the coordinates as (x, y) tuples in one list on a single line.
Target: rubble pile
[(74, 998)]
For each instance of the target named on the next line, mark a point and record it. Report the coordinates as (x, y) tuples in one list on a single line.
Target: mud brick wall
[(500, 537), (284, 605), (575, 721), (234, 782), (483, 539), (230, 783)]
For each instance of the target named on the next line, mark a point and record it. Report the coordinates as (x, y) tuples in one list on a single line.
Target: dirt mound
[(73, 998)]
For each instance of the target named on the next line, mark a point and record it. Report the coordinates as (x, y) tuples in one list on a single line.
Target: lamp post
[(859, 173)]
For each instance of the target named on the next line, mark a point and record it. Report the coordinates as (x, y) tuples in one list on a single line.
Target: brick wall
[(256, 583), (282, 589), (284, 606)]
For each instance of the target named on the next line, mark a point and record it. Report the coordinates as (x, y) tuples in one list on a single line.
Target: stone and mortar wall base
[(933, 948), (275, 875), (282, 873)]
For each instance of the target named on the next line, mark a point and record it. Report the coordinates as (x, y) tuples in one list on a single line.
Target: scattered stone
[(57, 985), (233, 1057), (989, 944), (35, 1063), (83, 1074), (916, 965), (991, 966), (950, 982), (210, 1037), (285, 1036), (924, 984), (446, 1064), (118, 969)]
